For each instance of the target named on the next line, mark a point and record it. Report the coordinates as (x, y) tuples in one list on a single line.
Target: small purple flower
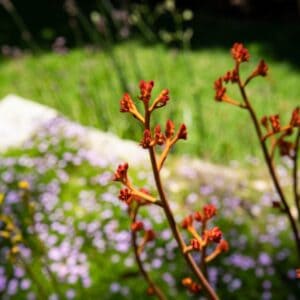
[(115, 287), (2, 282), (25, 284), (267, 284), (12, 287), (264, 259), (70, 294)]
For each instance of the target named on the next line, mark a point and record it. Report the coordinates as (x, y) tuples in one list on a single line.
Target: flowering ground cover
[(77, 245)]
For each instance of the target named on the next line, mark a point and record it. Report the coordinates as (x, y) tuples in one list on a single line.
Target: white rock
[(19, 119)]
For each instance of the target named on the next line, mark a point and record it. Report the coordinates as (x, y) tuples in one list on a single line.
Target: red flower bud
[(264, 121), (187, 222), (276, 204), (275, 123), (198, 216), (150, 291), (295, 119), (195, 288), (125, 195), (162, 99), (195, 244), (220, 89), (170, 129), (182, 133), (126, 103), (147, 139), (213, 235), (285, 147), (192, 286), (223, 246), (121, 173), (261, 69), (231, 76), (137, 226), (209, 211), (187, 281), (146, 89), (159, 136), (240, 53), (149, 235)]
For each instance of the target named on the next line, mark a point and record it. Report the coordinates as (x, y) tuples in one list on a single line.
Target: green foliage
[(85, 85)]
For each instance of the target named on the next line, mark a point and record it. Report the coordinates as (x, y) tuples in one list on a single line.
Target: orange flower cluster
[(191, 285), (208, 236), (273, 126), (121, 173), (240, 54), (160, 138), (146, 89)]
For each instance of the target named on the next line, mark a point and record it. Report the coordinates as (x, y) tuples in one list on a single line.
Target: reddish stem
[(146, 276), (269, 164), (190, 260), (295, 174)]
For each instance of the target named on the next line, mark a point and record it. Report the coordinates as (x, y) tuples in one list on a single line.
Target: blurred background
[(63, 231), (80, 56)]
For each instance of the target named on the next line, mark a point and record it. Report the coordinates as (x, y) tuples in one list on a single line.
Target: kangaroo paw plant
[(159, 143), (272, 135)]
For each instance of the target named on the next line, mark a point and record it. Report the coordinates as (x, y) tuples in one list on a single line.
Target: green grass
[(86, 86)]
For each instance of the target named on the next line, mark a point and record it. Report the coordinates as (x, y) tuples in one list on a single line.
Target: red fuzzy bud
[(137, 226), (159, 136), (231, 76), (147, 139), (275, 123), (126, 103), (149, 235), (213, 235), (264, 121), (125, 195), (240, 53), (198, 216), (209, 211), (146, 89), (285, 147), (170, 129), (220, 89), (223, 246), (195, 244), (295, 119), (162, 99), (261, 69), (121, 173), (187, 222), (182, 133)]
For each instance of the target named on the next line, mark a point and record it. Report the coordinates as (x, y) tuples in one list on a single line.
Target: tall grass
[(86, 86)]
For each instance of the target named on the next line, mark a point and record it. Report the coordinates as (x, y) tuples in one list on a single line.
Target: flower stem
[(146, 276), (270, 166), (182, 246), (295, 174)]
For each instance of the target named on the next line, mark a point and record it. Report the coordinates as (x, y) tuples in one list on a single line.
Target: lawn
[(86, 85)]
